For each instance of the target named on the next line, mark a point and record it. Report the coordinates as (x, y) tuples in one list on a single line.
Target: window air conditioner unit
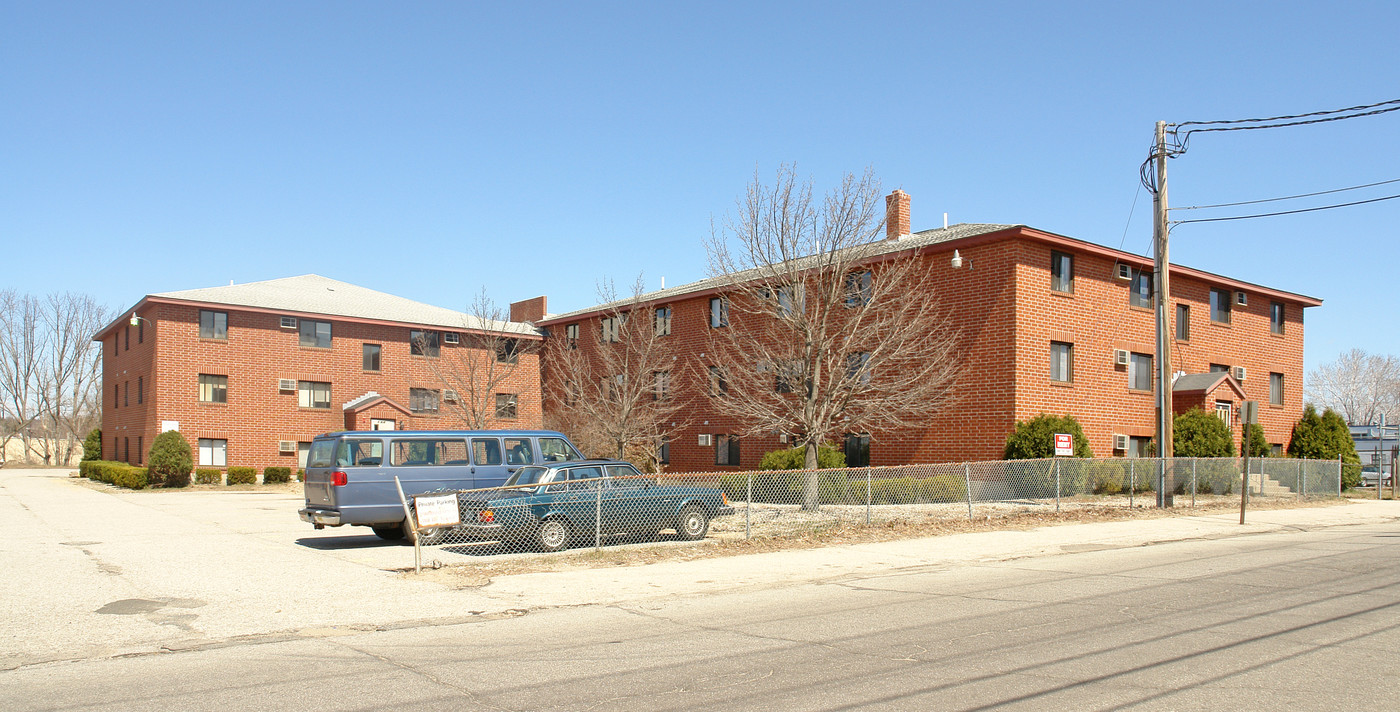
[(704, 440), (783, 438), (449, 337), (1120, 357), (1124, 272), (1242, 299), (286, 446), (286, 384), (1240, 373), (289, 322), (1120, 442), (449, 395)]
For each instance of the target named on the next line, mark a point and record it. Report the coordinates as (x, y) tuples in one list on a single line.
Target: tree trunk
[(811, 494)]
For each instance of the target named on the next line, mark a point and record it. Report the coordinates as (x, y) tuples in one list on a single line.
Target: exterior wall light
[(958, 260)]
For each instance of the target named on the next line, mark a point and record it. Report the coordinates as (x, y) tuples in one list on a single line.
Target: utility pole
[(1162, 298)]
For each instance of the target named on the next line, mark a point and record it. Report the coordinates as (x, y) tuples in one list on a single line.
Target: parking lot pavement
[(96, 571)]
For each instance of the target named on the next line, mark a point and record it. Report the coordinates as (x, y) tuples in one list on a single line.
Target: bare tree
[(617, 386), (830, 328), (69, 379), (1361, 387), (21, 349), (485, 361)]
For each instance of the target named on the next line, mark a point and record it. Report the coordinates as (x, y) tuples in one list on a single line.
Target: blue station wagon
[(350, 475), (546, 507)]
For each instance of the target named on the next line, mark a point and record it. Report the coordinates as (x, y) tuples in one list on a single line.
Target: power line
[(1286, 212), (1296, 116), (1288, 197)]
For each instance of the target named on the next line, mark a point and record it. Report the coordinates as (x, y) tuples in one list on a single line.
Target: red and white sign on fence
[(1064, 445)]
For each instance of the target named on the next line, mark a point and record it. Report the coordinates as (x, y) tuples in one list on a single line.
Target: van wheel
[(553, 535), (391, 532)]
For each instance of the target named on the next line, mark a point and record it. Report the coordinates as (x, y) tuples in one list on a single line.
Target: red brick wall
[(257, 353)]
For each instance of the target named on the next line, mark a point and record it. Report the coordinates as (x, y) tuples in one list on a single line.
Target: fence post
[(748, 507), (1339, 477), (967, 487), (1302, 480), (598, 518), (1193, 483), (1057, 484), (411, 526), (867, 496), (1132, 480)]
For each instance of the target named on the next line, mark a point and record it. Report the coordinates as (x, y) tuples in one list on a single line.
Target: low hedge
[(119, 474), (301, 475), (242, 476), (276, 475), (207, 476), (785, 487)]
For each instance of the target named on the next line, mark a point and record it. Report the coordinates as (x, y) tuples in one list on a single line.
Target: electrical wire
[(1298, 116), (1285, 212), (1288, 197)]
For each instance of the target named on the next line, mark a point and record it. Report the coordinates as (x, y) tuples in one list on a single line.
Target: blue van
[(350, 475)]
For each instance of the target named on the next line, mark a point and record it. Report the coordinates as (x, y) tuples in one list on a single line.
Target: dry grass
[(909, 524)]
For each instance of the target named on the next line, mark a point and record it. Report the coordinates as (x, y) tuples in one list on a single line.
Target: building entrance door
[(381, 424)]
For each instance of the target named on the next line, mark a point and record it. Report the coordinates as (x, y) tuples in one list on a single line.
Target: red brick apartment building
[(250, 373), (1047, 324)]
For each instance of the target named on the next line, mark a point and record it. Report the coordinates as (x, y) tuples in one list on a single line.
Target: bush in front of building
[(209, 476), (170, 459), (277, 475), (1326, 437), (1258, 444), (1201, 433), (119, 474), (242, 476), (92, 446), (1034, 439), (794, 458), (301, 475)]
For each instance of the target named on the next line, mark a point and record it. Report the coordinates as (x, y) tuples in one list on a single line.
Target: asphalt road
[(1290, 620)]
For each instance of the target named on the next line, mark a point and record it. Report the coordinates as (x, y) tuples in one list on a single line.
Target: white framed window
[(213, 389), (1276, 389), (1140, 372), (313, 394), (1061, 361), (213, 453), (316, 334)]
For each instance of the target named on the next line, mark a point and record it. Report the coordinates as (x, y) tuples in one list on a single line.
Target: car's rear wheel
[(692, 523), (390, 532), (553, 535)]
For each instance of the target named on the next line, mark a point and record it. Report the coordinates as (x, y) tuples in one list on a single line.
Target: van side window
[(558, 450), (415, 453), (486, 451), (518, 452), (359, 453)]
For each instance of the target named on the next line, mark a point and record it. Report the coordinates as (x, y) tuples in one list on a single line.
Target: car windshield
[(527, 476)]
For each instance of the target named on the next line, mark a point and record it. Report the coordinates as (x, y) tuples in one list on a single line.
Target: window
[(418, 453), (116, 394), (859, 288), (719, 312), (370, 357), (347, 453), (719, 386), (1183, 322), (422, 400), (571, 335), (1276, 317), (663, 452), (661, 389), (558, 450), (518, 452), (783, 378), (857, 450), (213, 453), (486, 451), (1219, 368), (1141, 292), (1140, 372), (288, 322), (1223, 410), (787, 300), (1220, 306), (858, 367), (126, 449), (140, 389), (507, 405), (424, 343), (726, 450), (1276, 389), (612, 329), (213, 324), (508, 351), (313, 394), (213, 389), (1061, 361), (316, 334), (1275, 449), (662, 321), (126, 394), (126, 333), (1062, 272), (138, 449), (141, 332), (1139, 447)]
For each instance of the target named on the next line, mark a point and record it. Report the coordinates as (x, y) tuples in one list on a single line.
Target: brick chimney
[(897, 215), (530, 310)]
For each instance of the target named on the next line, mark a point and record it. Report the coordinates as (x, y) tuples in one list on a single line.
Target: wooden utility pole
[(1161, 289)]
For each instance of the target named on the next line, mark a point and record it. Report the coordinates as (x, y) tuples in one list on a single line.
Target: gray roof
[(916, 240), (1198, 381), (314, 294)]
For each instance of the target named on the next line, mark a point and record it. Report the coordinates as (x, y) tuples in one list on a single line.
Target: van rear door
[(319, 465)]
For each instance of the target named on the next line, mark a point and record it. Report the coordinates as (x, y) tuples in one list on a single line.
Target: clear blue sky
[(431, 149)]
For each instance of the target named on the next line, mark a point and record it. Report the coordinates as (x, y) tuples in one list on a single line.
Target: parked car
[(1371, 474), (350, 475), (546, 507)]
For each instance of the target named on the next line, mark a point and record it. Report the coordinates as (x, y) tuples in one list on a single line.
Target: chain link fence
[(594, 503)]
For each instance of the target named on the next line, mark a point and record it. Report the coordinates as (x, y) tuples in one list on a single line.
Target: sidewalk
[(97, 572)]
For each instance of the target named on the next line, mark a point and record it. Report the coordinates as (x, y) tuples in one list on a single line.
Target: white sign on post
[(437, 510), (1064, 445)]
